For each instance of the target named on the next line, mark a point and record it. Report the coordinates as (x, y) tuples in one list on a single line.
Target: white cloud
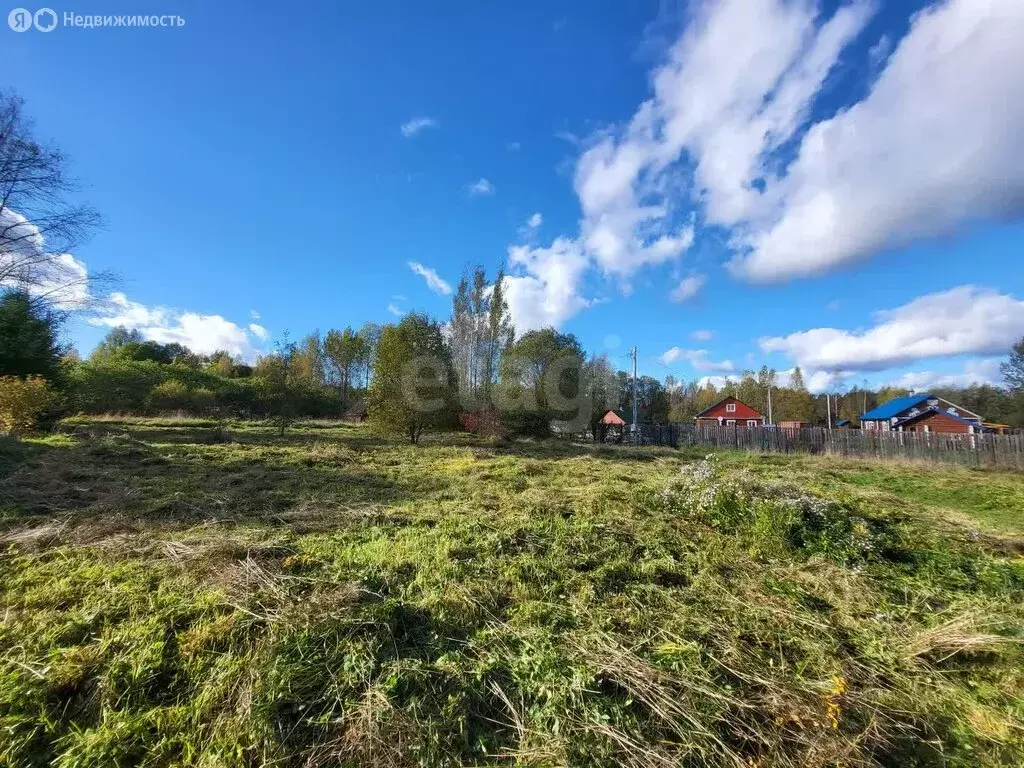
[(417, 124), (697, 358), (481, 187), (204, 334), (933, 145), (544, 289), (976, 371), (434, 281), (259, 331), (962, 321), (535, 221), (687, 288), (395, 310), (936, 144), (702, 335), (710, 104), (25, 263), (254, 315), (880, 51)]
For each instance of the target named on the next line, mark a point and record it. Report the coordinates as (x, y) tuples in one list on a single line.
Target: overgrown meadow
[(177, 593)]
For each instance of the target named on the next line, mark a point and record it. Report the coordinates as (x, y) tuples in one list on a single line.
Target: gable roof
[(619, 417), (932, 411), (730, 398), (894, 407)]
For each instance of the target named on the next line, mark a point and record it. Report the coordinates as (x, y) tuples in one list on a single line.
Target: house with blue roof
[(924, 412)]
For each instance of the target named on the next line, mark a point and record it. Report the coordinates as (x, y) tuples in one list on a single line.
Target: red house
[(730, 412), (940, 421)]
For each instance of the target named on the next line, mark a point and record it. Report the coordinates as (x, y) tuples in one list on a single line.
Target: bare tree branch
[(40, 226)]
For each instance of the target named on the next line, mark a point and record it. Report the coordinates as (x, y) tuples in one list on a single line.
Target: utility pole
[(770, 422), (828, 409), (633, 354)]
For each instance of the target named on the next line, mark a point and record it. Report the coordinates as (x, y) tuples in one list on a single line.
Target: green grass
[(335, 597)]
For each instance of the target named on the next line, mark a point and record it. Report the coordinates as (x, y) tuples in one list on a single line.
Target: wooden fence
[(975, 450)]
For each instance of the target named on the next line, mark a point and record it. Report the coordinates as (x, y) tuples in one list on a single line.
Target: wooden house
[(730, 412)]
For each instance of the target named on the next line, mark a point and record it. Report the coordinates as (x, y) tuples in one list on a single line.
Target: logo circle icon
[(45, 19), (20, 19)]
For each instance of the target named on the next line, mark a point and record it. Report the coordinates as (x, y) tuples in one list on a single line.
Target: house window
[(751, 422), (731, 422), (730, 407)]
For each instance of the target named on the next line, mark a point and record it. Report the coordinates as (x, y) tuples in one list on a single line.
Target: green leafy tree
[(343, 351), (603, 388), (306, 366), (414, 384), (480, 330), (542, 380), (28, 338)]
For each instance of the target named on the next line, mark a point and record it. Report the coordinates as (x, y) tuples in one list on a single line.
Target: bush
[(170, 396), (484, 423), (202, 401), (23, 402), (527, 423)]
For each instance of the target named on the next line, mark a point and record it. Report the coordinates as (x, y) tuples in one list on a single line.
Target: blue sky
[(838, 185)]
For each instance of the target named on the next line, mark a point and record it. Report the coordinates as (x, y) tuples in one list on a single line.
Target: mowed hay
[(338, 598)]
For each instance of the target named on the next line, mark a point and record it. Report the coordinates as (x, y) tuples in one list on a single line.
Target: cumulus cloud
[(709, 107), (204, 334), (687, 289), (535, 221), (699, 359), (702, 335), (963, 321), (480, 188), (977, 371), (25, 263), (729, 129), (434, 281), (259, 331), (729, 139), (417, 124), (543, 288), (934, 145)]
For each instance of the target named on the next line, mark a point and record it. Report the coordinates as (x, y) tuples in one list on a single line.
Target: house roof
[(726, 400), (931, 411), (617, 418), (842, 422), (895, 407)]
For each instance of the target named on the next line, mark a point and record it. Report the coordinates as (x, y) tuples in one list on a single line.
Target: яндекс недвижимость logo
[(22, 19), (46, 20)]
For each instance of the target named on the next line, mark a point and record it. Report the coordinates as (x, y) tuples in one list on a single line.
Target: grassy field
[(336, 598)]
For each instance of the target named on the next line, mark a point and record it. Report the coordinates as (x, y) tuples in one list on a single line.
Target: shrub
[(170, 396), (23, 402), (484, 423), (202, 401), (527, 423)]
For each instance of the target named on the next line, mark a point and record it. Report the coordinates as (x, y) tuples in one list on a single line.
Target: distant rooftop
[(895, 407)]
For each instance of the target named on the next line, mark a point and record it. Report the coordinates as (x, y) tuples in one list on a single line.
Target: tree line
[(471, 370)]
